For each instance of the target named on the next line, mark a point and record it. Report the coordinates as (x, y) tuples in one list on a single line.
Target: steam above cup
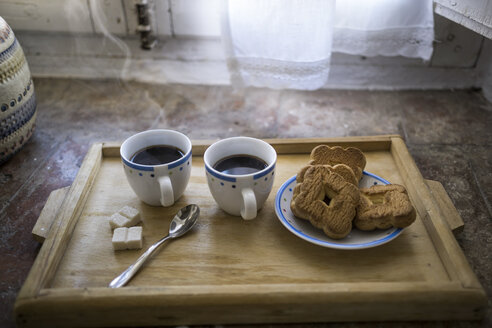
[(240, 194), (157, 184)]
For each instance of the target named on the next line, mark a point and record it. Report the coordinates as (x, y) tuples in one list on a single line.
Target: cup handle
[(167, 195), (248, 211)]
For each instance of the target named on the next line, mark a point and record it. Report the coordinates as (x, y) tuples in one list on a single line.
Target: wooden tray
[(227, 270)]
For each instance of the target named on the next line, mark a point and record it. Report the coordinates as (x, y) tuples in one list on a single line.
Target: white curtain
[(288, 43), (384, 27), (278, 43)]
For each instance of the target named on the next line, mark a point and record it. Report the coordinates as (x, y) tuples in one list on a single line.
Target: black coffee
[(156, 155), (240, 164)]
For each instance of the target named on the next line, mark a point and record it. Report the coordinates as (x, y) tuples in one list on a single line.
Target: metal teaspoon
[(182, 222)]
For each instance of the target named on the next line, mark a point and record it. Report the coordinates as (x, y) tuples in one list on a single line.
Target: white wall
[(185, 18), (474, 14)]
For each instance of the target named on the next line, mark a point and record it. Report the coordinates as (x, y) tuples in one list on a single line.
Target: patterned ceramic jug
[(17, 98)]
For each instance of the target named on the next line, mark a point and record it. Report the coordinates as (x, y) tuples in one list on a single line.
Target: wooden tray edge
[(42, 269), (237, 304), (429, 211), (48, 214), (32, 291), (445, 204), (287, 145)]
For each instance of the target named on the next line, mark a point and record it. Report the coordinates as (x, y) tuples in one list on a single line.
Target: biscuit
[(341, 169), (326, 200), (352, 157), (384, 206)]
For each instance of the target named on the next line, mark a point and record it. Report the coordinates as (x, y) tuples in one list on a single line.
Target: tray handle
[(48, 214), (451, 215)]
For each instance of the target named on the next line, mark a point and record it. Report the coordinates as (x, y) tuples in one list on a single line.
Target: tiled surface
[(448, 134)]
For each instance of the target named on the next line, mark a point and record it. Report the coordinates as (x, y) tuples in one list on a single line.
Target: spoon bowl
[(182, 222)]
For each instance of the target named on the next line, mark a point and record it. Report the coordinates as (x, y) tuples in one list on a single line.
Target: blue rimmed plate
[(357, 239)]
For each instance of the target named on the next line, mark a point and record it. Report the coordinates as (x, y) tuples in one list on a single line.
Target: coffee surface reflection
[(157, 155), (240, 164)]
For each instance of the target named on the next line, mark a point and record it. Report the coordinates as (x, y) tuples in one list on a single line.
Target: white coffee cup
[(244, 194), (163, 184)]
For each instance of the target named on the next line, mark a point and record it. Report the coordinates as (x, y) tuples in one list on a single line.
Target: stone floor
[(447, 132)]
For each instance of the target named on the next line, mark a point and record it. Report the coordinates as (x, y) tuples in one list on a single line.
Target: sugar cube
[(118, 221), (134, 238), (119, 238), (131, 213)]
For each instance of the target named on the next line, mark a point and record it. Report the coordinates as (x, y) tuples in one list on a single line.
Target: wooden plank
[(261, 304), (444, 241), (449, 212), (305, 145), (48, 214), (290, 145), (59, 235)]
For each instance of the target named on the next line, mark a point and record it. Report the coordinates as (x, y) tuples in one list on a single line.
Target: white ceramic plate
[(357, 239)]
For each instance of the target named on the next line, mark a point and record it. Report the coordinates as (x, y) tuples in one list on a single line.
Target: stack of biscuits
[(327, 194)]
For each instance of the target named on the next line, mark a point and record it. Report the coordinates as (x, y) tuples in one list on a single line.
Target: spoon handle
[(128, 274)]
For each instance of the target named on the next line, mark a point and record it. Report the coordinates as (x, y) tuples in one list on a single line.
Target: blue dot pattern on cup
[(225, 178), (148, 174), (229, 182), (146, 171)]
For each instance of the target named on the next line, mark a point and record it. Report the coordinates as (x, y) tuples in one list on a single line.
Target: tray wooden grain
[(227, 270), (48, 214)]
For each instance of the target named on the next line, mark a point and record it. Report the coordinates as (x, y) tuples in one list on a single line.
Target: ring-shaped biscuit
[(327, 200)]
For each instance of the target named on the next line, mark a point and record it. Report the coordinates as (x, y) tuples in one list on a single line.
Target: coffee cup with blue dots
[(240, 173), (157, 165)]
